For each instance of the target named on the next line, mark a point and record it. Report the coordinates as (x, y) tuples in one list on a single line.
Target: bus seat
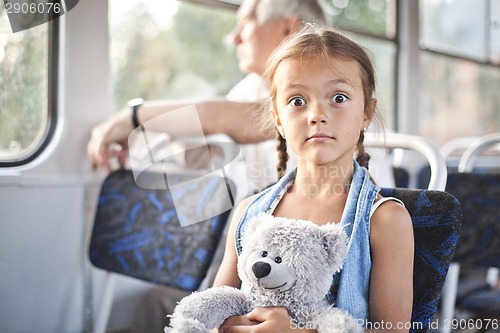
[(401, 177), (137, 232), (425, 304), (479, 245), (436, 217)]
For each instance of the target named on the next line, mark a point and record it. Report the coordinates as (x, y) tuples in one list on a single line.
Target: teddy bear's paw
[(337, 321), (186, 325)]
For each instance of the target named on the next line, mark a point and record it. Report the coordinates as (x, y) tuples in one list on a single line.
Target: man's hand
[(109, 141)]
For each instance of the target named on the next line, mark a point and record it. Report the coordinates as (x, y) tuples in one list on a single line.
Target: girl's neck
[(327, 180)]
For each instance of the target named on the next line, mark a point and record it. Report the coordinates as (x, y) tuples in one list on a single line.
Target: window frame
[(444, 51), (232, 5), (53, 94)]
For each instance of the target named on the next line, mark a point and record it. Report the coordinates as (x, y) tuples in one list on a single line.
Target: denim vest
[(349, 290)]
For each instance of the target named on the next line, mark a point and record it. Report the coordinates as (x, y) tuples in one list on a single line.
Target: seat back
[(137, 232), (479, 195), (436, 218), (479, 192), (477, 246)]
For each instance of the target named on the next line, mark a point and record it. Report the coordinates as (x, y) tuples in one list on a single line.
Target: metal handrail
[(466, 163), (419, 144)]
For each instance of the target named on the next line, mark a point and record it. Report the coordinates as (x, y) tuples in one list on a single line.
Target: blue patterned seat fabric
[(436, 220), (479, 195), (137, 233), (401, 177), (479, 244), (484, 302)]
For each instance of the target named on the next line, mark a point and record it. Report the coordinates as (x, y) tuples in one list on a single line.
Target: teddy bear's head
[(295, 259)]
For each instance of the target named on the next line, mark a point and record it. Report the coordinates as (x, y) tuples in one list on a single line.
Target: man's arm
[(239, 120)]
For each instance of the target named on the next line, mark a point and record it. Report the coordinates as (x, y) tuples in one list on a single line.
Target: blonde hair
[(322, 42)]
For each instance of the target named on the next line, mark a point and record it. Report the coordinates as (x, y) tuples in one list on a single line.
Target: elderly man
[(261, 26)]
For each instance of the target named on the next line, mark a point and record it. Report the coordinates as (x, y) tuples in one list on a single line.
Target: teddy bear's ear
[(251, 227), (335, 244), (254, 223)]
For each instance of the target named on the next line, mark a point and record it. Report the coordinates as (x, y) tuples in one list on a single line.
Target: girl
[(322, 87)]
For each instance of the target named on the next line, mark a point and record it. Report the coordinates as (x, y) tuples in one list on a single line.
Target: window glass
[(457, 98), (383, 54), (372, 23), (24, 67), (495, 32), (461, 27), (176, 49), (170, 49), (376, 17)]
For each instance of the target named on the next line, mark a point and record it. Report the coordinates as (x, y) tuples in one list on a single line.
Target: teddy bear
[(283, 262)]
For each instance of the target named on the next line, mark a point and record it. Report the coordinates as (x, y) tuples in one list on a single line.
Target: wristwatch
[(134, 105)]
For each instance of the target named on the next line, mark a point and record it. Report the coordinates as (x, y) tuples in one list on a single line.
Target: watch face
[(135, 102)]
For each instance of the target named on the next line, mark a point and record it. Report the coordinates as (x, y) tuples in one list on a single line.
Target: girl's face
[(320, 108)]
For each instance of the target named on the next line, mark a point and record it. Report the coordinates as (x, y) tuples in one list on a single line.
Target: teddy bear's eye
[(263, 254), (277, 260)]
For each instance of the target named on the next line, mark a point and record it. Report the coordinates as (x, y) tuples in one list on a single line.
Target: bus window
[(26, 116), (377, 17), (372, 23), (461, 27), (170, 49), (460, 69), (459, 98)]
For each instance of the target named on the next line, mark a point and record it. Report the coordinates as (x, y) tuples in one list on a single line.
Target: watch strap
[(135, 104), (135, 121)]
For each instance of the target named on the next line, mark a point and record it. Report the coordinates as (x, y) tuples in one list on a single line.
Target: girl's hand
[(235, 321), (271, 319)]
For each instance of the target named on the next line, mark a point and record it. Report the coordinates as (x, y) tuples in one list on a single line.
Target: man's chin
[(245, 67)]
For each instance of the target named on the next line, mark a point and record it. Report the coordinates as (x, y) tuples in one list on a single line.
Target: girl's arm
[(227, 275), (391, 280)]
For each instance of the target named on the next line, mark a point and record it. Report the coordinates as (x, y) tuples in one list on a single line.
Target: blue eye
[(339, 98), (297, 101)]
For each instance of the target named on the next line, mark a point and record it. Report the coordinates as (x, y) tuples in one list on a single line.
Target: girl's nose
[(317, 115)]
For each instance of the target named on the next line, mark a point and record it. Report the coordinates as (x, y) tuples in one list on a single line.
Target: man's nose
[(235, 35)]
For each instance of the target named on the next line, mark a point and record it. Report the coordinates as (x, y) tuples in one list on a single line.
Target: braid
[(362, 157), (282, 155)]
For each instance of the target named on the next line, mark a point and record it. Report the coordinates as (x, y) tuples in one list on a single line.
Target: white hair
[(309, 11)]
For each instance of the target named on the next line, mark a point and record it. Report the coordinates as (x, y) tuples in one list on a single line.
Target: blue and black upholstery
[(137, 233), (479, 244), (436, 218), (402, 177)]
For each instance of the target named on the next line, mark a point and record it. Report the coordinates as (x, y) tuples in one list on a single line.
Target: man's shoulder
[(249, 89)]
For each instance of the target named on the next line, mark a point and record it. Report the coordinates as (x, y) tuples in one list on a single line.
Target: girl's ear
[(276, 118), (369, 113)]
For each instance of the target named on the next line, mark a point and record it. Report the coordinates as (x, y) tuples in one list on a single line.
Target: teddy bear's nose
[(261, 269)]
